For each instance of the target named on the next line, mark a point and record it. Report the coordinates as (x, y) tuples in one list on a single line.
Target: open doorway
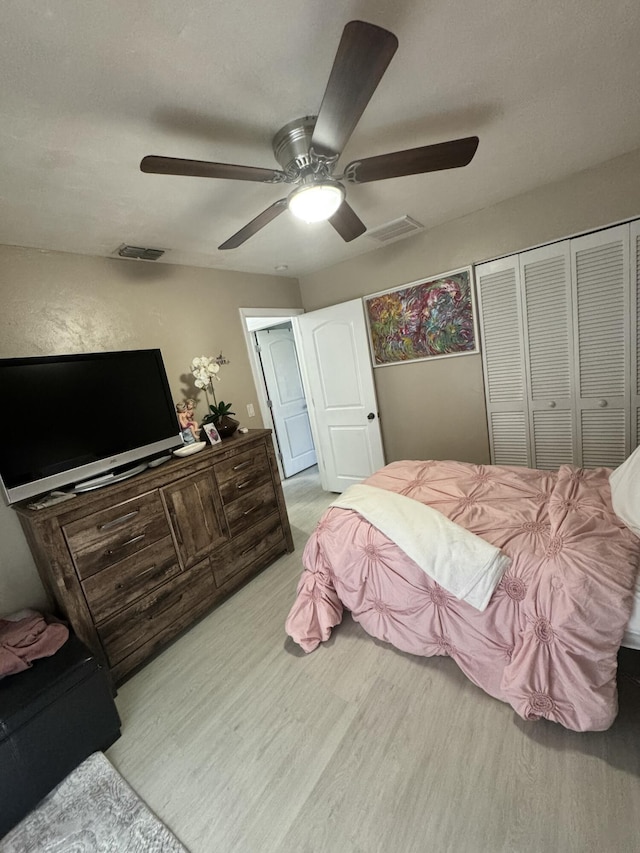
[(281, 396)]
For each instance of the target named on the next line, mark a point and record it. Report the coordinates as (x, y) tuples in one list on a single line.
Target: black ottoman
[(52, 717)]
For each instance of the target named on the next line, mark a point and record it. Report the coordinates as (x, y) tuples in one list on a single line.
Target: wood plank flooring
[(241, 742)]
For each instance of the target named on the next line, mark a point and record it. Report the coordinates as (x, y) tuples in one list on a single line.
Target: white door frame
[(271, 317)]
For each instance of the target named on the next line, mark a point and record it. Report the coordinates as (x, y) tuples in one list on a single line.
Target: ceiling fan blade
[(363, 55), (205, 169), (347, 223), (255, 225), (413, 161)]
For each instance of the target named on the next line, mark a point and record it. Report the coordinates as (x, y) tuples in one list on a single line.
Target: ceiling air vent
[(395, 230), (140, 254)]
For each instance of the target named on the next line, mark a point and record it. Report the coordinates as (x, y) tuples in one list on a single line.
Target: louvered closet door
[(546, 285), (498, 286), (600, 270), (635, 334)]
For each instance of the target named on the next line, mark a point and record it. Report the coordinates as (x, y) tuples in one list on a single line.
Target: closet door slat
[(546, 281), (602, 326), (603, 438), (553, 438), (546, 287), (498, 286), (501, 334), (509, 438)]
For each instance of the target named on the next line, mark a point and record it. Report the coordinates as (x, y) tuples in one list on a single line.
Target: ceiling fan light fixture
[(316, 202)]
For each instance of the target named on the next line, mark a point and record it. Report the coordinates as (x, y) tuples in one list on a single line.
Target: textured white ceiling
[(87, 89)]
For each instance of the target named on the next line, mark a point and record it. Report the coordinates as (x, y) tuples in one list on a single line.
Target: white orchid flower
[(205, 369)]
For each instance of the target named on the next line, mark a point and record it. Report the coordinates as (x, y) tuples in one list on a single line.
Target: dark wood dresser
[(135, 563)]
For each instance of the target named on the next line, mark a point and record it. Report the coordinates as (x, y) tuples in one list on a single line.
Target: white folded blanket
[(462, 563), (625, 491)]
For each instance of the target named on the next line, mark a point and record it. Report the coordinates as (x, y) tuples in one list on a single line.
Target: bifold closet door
[(503, 360), (561, 351), (545, 275), (602, 324)]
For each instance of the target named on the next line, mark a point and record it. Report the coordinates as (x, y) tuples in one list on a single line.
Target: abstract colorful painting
[(423, 320)]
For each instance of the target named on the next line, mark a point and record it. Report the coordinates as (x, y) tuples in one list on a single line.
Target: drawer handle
[(112, 551), (118, 521), (248, 550), (146, 571), (242, 465), (249, 511), (244, 484)]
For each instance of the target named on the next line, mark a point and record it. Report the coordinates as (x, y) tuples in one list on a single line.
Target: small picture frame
[(212, 434)]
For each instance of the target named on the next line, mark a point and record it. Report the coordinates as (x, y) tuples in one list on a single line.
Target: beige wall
[(436, 409), (54, 302)]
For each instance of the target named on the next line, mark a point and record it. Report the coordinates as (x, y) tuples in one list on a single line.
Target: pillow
[(625, 491)]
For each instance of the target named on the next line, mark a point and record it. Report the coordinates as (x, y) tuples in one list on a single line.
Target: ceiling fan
[(308, 148)]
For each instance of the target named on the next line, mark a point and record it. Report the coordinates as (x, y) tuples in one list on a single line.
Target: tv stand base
[(108, 479)]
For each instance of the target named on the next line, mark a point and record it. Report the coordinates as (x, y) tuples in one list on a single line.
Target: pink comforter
[(547, 643)]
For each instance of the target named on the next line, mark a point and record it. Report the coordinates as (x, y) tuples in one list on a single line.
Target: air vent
[(140, 254), (395, 230)]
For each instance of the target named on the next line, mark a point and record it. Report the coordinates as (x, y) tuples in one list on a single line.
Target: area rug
[(93, 810)]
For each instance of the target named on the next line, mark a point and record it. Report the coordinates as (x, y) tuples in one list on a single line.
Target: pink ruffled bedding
[(547, 642)]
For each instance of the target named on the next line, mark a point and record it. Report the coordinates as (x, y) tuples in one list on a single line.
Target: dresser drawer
[(242, 472), (248, 548), (111, 535), (188, 593), (250, 509), (117, 586)]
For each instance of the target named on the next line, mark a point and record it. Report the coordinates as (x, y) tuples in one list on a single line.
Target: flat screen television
[(69, 418)]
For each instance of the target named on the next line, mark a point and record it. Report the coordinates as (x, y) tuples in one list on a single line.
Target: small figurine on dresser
[(188, 425)]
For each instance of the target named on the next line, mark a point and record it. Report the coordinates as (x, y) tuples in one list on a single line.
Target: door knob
[(370, 416), (603, 404)]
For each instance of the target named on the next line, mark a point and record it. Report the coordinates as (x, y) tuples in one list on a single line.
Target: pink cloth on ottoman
[(25, 639)]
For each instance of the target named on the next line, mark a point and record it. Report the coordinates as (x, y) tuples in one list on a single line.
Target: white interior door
[(287, 402), (336, 369)]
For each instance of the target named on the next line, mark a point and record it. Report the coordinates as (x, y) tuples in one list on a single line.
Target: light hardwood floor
[(240, 742)]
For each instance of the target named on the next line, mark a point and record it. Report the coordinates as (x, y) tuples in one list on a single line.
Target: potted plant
[(206, 369), (220, 417)]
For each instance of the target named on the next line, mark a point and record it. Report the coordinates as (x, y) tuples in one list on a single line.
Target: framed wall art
[(426, 319)]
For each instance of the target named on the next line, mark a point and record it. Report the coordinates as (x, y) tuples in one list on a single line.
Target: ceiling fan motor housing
[(291, 146)]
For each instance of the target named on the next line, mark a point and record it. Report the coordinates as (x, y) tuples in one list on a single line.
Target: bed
[(546, 638)]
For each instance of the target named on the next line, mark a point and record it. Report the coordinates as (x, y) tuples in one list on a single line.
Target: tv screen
[(88, 414)]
